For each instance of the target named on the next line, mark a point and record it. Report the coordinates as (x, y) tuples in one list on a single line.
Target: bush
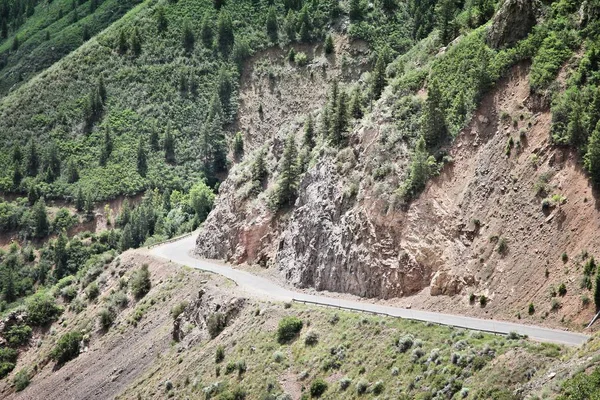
[(562, 289), (92, 291), (219, 354), (42, 309), (215, 324), (405, 343), (317, 388), (289, 328), (301, 59), (8, 358), (21, 380), (378, 388), (107, 317), (311, 338), (178, 309), (67, 347), (483, 300), (531, 309), (345, 383), (18, 335), (278, 356), (361, 387), (140, 283)]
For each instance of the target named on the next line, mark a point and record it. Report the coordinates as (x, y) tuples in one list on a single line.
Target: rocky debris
[(512, 22), (191, 326), (13, 318)]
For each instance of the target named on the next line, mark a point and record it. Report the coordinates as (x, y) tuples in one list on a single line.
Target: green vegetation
[(140, 283), (582, 386), (67, 347), (288, 329), (8, 358)]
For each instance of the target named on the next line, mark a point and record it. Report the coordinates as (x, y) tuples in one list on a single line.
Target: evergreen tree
[(444, 11), (161, 19), (356, 10), (142, 164), (207, 31), (309, 133), (259, 168), (592, 157), (356, 104), (93, 6), (575, 129), (434, 121), (388, 5), (126, 241), (225, 37), (79, 200), (61, 256), (72, 171), (238, 145), (304, 24), (85, 33), (325, 122), (188, 38), (419, 171), (329, 44), (32, 160), (597, 292), (287, 185), (169, 146), (379, 77), (154, 139), (33, 195), (122, 43), (136, 42), (225, 90), (8, 286), (218, 4), (340, 120), (15, 44), (289, 25), (89, 207), (52, 163), (166, 200), (17, 176), (272, 28), (102, 89), (107, 148), (17, 155), (41, 225)]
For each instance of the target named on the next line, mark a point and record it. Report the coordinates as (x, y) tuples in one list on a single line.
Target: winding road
[(257, 286)]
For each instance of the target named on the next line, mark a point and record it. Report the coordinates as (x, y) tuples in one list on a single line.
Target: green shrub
[(215, 324), (361, 387), (8, 358), (18, 335), (178, 309), (317, 388), (301, 59), (289, 328), (21, 380), (42, 309), (562, 289), (531, 309), (483, 300), (92, 291), (107, 317), (311, 338), (345, 383), (378, 387), (67, 347), (140, 283), (219, 354)]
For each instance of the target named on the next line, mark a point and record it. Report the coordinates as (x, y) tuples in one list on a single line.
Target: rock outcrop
[(512, 22)]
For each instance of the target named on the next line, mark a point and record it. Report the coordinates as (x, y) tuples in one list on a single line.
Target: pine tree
[(304, 24), (61, 256), (107, 148), (102, 89), (325, 122), (259, 168), (445, 10), (89, 207), (272, 28), (136, 42), (597, 292), (575, 129), (287, 184), (17, 176), (207, 31), (93, 6), (238, 145), (52, 163), (33, 195), (188, 38), (289, 25), (225, 90), (32, 160), (79, 200), (85, 34), (161, 19), (329, 44), (356, 10), (41, 225), (72, 171), (17, 154), (379, 77), (434, 121), (340, 120), (225, 37), (142, 163), (122, 43), (126, 241), (154, 139), (8, 286), (356, 103), (169, 146), (592, 157), (309, 133), (388, 5)]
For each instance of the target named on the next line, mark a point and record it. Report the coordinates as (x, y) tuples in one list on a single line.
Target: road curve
[(261, 287)]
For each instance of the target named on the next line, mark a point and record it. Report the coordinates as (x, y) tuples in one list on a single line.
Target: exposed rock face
[(330, 245), (512, 22)]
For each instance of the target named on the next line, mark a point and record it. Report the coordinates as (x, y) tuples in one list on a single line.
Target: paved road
[(261, 287)]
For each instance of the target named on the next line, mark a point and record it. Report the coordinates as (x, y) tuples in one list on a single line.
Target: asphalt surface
[(263, 288)]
